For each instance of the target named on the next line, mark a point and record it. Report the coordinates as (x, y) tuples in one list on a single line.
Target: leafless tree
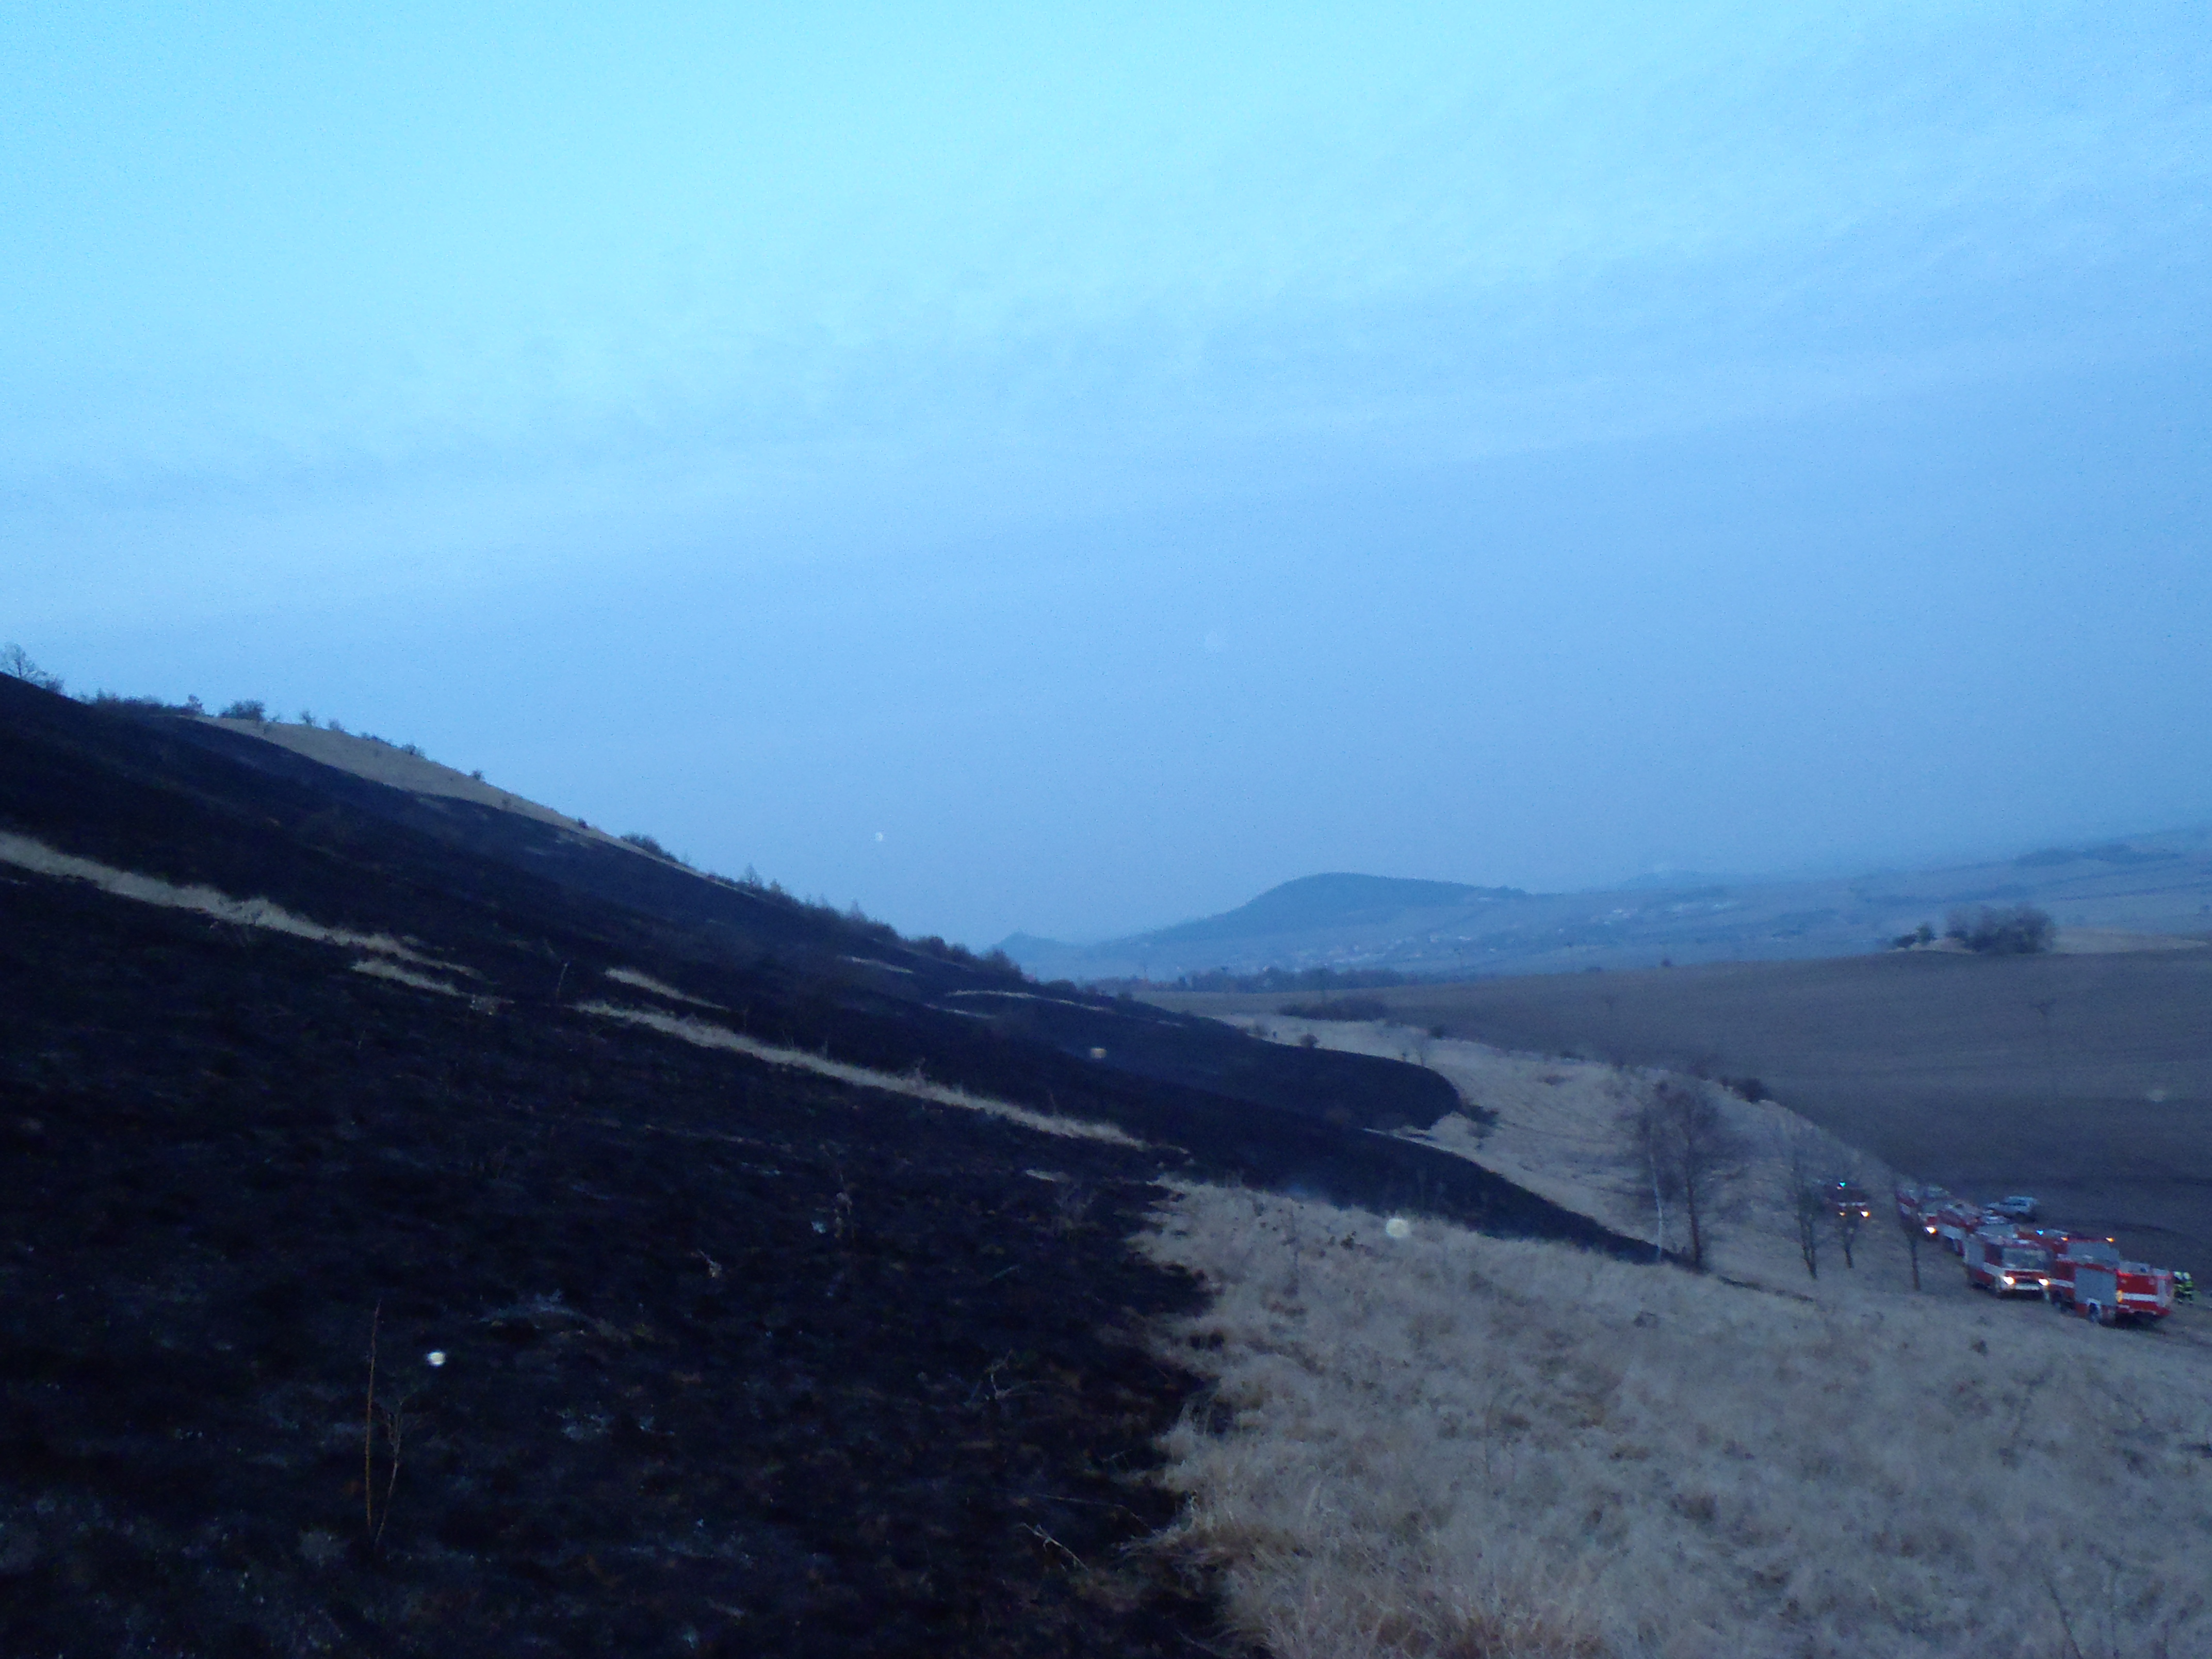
[(1678, 1138), (1641, 1144), (1850, 1217), (16, 663), (1804, 1158), (1908, 1223)]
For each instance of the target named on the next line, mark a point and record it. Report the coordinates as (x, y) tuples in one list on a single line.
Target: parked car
[(2016, 1208)]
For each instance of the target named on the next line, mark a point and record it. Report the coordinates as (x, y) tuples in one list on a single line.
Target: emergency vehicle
[(2089, 1277), (2008, 1261), (1956, 1222), (1917, 1207)]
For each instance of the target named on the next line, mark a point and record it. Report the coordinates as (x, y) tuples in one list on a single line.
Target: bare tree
[(16, 663), (1678, 1138), (1814, 1191), (1642, 1144), (1801, 1199), (1844, 1189), (1908, 1223), (1847, 1201)]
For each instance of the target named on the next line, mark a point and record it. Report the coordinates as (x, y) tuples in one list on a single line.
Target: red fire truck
[(1916, 1206), (2087, 1277), (2008, 1261), (1956, 1222)]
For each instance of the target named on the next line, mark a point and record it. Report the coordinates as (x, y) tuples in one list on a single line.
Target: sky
[(1068, 470)]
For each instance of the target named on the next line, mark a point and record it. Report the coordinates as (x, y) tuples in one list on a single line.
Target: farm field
[(2084, 1080)]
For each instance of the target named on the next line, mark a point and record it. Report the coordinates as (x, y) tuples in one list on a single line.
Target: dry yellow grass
[(708, 1035), (376, 969), (631, 977), (1449, 1444), (1557, 1135), (381, 763), (26, 853)]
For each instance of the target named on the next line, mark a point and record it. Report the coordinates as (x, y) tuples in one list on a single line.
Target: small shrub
[(1272, 980), (247, 709), (932, 945), (2023, 930)]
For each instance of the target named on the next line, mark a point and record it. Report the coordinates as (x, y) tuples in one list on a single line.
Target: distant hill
[(1330, 901), (2113, 895)]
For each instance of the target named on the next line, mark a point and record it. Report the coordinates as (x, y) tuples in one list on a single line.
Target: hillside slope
[(532, 862), (1427, 1442), (777, 1311)]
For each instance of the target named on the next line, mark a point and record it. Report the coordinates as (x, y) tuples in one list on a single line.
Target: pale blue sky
[(1127, 461)]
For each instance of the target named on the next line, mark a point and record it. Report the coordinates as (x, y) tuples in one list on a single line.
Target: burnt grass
[(736, 1361)]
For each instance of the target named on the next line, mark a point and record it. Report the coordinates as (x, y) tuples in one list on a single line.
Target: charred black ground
[(734, 1359), (737, 1359)]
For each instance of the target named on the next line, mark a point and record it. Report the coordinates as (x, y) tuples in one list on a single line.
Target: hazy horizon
[(1071, 475)]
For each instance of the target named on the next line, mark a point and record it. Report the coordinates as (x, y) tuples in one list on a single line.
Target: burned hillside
[(732, 1355)]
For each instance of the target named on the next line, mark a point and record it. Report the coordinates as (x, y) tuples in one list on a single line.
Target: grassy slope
[(1456, 1444), (1453, 1444)]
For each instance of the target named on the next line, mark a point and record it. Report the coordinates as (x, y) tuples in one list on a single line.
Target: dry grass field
[(1427, 1442), (2084, 1079), (1554, 1130)]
